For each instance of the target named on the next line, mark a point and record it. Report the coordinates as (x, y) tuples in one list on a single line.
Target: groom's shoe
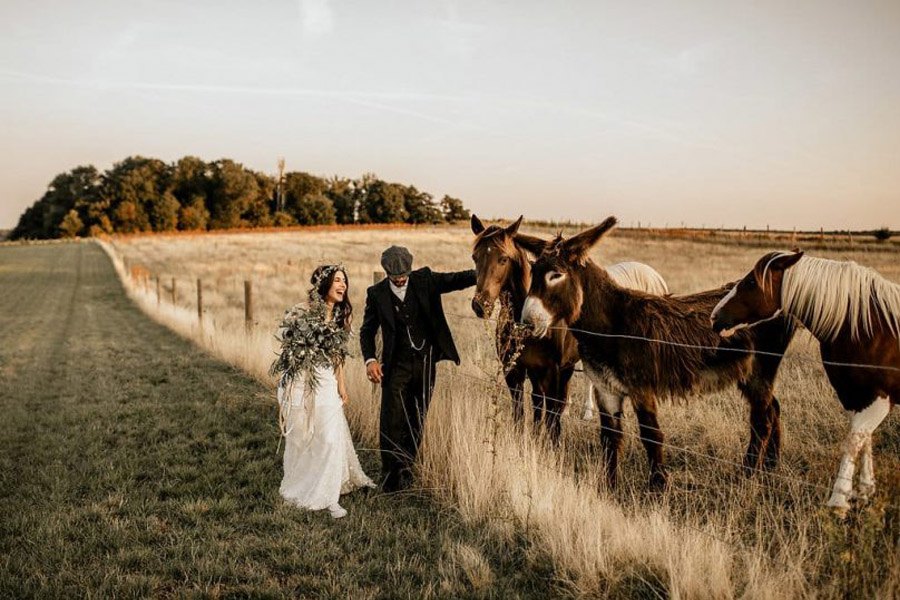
[(337, 511)]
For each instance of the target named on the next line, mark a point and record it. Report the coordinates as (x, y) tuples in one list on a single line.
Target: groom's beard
[(399, 291)]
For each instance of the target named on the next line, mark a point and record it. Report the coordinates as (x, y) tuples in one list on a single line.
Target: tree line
[(147, 194)]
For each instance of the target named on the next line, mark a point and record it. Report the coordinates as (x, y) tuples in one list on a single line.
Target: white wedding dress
[(320, 462)]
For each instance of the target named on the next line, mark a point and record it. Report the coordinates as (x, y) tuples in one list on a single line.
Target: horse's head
[(556, 293), (495, 255), (756, 297)]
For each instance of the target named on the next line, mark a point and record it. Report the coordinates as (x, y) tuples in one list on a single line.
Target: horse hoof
[(839, 506)]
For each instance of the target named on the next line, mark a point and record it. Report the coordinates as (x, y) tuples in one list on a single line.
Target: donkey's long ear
[(786, 260), (576, 248), (477, 225), (514, 227), (529, 243)]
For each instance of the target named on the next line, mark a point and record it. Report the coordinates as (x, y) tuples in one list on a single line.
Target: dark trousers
[(405, 395)]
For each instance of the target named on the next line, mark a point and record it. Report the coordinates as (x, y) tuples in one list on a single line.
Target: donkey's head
[(496, 256), (756, 297), (556, 293)]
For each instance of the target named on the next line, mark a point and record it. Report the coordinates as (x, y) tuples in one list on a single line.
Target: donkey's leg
[(611, 435), (536, 377), (554, 403), (862, 424), (557, 400), (762, 419), (652, 438), (588, 412), (515, 381)]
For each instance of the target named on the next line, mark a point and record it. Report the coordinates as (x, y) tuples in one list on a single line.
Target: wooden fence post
[(158, 292), (248, 305), (822, 234), (200, 302), (173, 292)]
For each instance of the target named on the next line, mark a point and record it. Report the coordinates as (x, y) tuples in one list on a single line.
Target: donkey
[(855, 315), (644, 346), (503, 267)]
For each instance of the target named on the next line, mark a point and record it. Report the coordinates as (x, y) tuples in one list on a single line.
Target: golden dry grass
[(713, 534)]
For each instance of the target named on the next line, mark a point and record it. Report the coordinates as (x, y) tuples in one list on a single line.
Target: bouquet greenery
[(308, 341)]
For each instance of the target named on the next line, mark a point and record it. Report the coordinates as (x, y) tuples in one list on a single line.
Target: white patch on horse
[(731, 294), (862, 424), (536, 313)]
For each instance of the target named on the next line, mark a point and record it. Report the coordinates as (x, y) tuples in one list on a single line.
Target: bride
[(320, 462)]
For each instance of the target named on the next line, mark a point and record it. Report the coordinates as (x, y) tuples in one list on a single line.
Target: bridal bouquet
[(308, 341)]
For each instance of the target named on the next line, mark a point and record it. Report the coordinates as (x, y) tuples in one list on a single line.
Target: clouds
[(316, 18)]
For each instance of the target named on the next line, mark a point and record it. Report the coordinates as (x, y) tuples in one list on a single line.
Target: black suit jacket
[(426, 288)]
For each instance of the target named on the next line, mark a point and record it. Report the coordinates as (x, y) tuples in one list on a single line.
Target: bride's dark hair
[(321, 280)]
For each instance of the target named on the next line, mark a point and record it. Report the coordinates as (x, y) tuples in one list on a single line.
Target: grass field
[(713, 534), (133, 464)]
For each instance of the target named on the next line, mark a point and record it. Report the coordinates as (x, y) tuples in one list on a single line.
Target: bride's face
[(338, 288)]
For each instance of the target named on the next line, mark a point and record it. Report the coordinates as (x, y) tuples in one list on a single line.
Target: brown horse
[(503, 267), (855, 315), (646, 346)]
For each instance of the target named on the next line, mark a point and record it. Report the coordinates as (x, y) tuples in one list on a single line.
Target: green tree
[(344, 197), (383, 203), (314, 209), (71, 225), (233, 190), (420, 207), (194, 216), (453, 210), (135, 190)]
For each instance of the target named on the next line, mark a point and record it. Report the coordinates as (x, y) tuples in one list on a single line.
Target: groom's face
[(399, 280)]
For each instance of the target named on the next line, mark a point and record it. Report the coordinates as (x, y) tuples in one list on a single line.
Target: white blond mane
[(825, 294), (638, 276)]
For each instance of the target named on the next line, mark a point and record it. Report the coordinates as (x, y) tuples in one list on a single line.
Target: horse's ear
[(477, 225), (576, 248), (529, 243), (512, 229), (786, 260)]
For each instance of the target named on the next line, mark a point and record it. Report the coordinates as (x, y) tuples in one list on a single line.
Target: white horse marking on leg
[(862, 424)]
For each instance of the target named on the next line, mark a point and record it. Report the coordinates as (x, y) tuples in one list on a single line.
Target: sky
[(718, 113)]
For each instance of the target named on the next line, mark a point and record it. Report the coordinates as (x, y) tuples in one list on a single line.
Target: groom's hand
[(373, 372)]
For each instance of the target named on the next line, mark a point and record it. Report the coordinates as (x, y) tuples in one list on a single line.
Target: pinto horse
[(503, 268), (645, 346), (855, 315)]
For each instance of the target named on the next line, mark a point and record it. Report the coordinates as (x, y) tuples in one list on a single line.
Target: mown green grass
[(133, 464)]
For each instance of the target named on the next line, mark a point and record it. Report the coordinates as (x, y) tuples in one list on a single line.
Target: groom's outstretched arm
[(452, 282), (369, 328)]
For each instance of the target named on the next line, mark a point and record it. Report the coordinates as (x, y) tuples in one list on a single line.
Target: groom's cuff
[(371, 360)]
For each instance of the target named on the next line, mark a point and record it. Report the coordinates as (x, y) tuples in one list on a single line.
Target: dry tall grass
[(713, 534)]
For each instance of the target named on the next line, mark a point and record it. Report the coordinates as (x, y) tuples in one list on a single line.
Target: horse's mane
[(638, 276), (827, 294)]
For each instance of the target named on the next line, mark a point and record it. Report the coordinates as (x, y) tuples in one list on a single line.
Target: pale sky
[(708, 113)]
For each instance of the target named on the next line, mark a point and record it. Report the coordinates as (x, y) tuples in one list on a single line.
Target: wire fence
[(142, 278)]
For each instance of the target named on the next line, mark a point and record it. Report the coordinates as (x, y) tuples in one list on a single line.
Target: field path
[(134, 464)]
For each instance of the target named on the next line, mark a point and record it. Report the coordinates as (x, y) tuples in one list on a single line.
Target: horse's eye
[(554, 276), (751, 283), (504, 260)]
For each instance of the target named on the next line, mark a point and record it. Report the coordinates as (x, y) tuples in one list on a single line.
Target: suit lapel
[(384, 298)]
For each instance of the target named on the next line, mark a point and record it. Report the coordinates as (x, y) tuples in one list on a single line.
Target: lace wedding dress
[(320, 462)]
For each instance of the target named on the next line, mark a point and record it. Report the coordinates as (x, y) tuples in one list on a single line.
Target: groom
[(407, 307)]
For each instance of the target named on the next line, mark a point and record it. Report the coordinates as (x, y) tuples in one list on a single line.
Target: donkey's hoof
[(658, 482)]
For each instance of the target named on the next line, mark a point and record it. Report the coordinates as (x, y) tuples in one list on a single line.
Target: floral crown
[(326, 272)]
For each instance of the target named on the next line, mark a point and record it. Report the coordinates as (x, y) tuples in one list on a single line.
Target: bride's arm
[(342, 385)]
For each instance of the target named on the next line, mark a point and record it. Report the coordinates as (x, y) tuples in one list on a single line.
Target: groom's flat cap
[(396, 261)]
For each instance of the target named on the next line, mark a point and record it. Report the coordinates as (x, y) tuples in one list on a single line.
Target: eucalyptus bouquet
[(308, 341)]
